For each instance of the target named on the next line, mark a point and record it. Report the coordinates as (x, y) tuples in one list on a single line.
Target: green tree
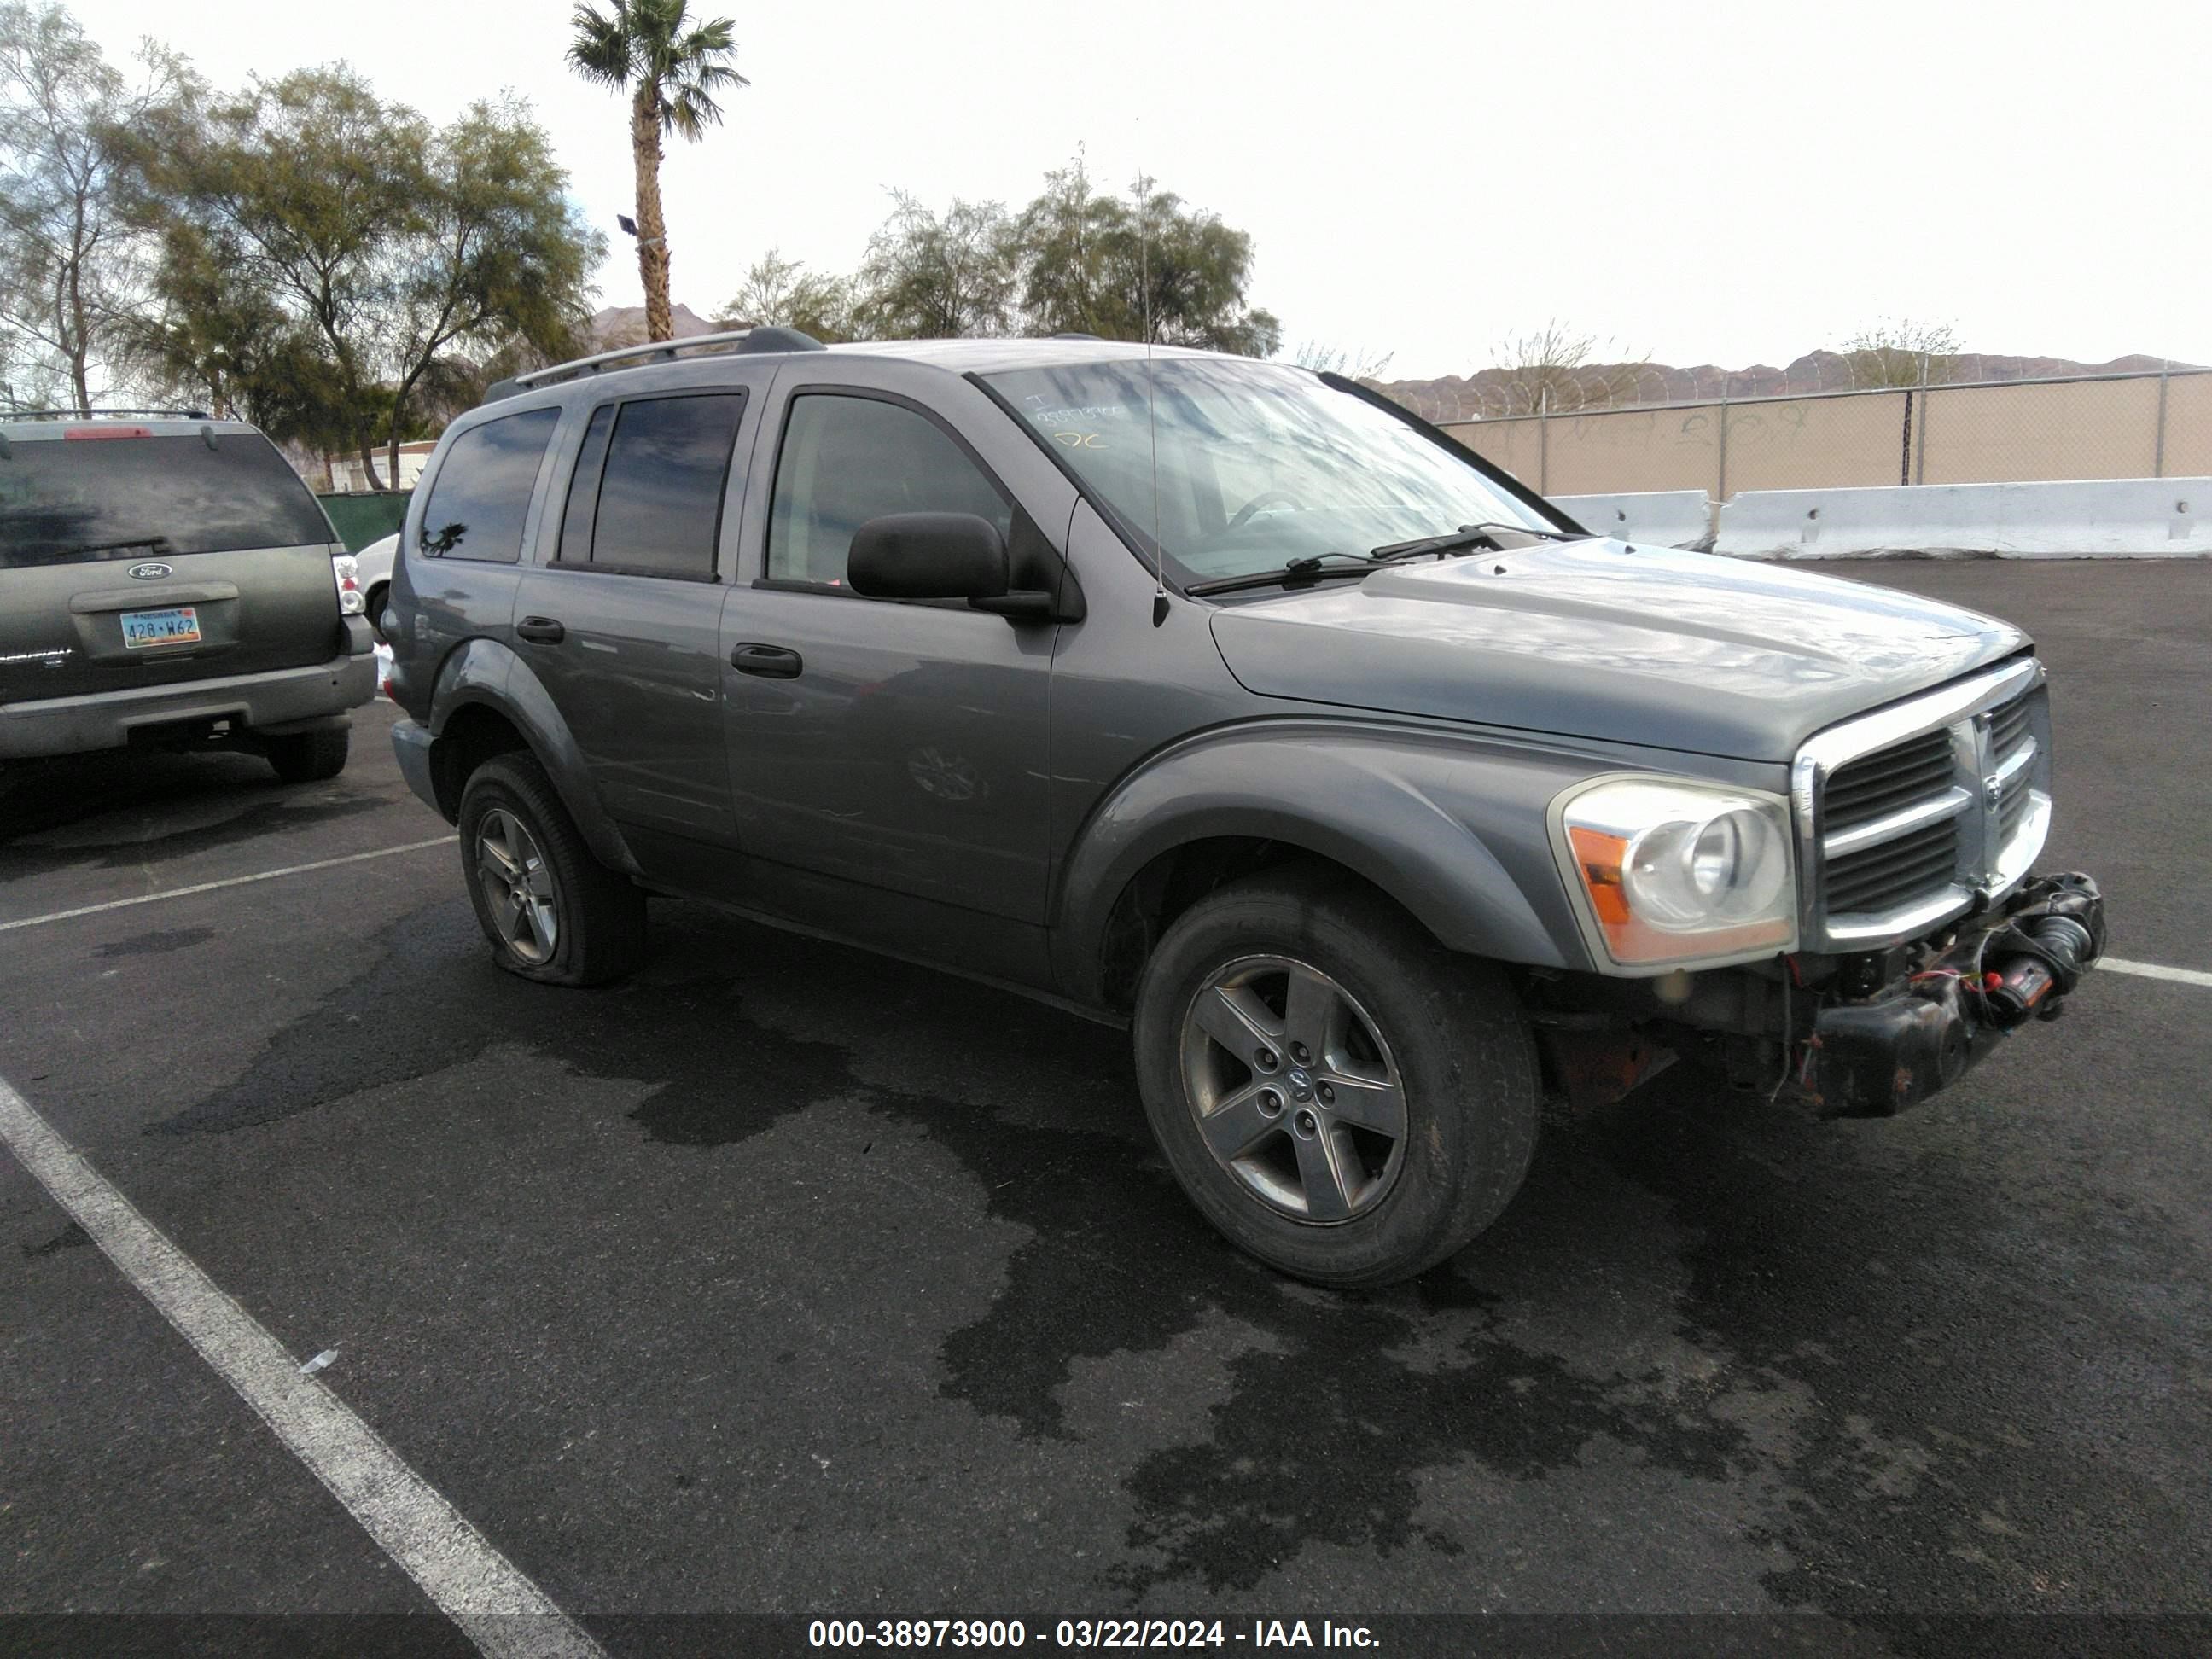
[(783, 293), (671, 72), (1064, 239), (73, 271), (396, 254), (228, 346), (1146, 266), (930, 276)]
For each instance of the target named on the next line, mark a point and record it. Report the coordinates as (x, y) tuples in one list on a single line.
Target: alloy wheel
[(1294, 1087), (518, 887)]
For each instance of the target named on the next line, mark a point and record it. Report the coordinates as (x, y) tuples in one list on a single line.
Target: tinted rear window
[(482, 496), (71, 501)]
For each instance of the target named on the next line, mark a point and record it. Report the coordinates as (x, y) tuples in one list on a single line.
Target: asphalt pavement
[(786, 1280)]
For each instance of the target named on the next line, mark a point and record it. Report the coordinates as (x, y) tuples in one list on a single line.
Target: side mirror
[(928, 555)]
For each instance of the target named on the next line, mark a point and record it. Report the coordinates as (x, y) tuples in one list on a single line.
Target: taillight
[(345, 571), (107, 432)]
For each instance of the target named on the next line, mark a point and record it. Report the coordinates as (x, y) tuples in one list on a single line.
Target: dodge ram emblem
[(149, 573)]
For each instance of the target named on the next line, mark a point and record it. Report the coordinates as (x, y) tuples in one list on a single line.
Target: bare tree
[(1354, 363), (1553, 368), (72, 270), (1901, 352)]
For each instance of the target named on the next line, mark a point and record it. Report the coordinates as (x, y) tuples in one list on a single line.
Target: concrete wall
[(2133, 518), (2016, 432), (1671, 518), (2188, 427), (1513, 445), (2067, 430)]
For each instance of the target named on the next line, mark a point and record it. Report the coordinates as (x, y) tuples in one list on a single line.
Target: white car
[(373, 575)]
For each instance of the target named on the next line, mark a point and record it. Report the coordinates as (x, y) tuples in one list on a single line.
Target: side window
[(482, 494), (576, 520), (654, 507), (847, 459)]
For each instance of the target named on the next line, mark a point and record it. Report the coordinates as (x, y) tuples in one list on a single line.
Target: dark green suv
[(167, 580)]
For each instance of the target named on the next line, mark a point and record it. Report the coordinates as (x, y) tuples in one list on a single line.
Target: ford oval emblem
[(149, 573)]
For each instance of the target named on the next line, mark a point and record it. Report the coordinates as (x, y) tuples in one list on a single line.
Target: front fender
[(1453, 828), (484, 672)]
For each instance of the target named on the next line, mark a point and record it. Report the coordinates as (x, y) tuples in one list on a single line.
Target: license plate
[(179, 627)]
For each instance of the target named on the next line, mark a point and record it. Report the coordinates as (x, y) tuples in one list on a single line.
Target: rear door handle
[(769, 662), (540, 631)]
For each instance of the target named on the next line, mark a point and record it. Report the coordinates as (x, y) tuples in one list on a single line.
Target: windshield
[(1259, 464), (65, 501)]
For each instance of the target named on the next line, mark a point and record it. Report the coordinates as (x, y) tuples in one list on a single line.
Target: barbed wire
[(1518, 394)]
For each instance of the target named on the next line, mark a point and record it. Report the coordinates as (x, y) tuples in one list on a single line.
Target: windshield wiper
[(1467, 535), (1298, 573)]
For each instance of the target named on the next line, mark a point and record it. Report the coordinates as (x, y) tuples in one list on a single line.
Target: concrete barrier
[(1662, 518), (2096, 518)]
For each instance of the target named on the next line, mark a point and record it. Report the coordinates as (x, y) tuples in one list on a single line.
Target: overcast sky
[(1701, 183)]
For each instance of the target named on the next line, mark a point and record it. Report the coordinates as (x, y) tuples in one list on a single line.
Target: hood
[(1595, 639)]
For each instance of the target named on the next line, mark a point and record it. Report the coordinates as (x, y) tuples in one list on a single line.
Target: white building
[(347, 477)]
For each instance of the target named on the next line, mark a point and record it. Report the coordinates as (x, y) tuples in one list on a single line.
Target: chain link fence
[(2143, 425)]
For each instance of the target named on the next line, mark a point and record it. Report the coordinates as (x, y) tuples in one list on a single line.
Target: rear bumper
[(1874, 1056), (107, 720), (410, 747)]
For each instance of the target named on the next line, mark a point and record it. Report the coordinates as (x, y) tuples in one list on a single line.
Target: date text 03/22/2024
[(1003, 1634)]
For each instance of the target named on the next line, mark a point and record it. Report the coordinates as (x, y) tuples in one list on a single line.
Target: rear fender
[(483, 672), (1453, 828)]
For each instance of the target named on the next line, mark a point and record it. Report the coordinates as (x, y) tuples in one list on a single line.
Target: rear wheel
[(372, 607), (309, 757), (552, 912), (1339, 1095)]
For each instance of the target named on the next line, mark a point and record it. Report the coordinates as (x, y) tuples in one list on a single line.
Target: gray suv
[(1382, 800), (167, 580)]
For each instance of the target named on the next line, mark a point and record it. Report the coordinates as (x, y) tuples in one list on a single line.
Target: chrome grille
[(1871, 789), (1896, 872), (1905, 815)]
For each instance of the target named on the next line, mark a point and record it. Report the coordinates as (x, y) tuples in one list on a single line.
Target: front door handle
[(768, 662), (540, 631)]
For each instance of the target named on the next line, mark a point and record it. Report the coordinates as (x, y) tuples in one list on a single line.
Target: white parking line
[(496, 1605), (2152, 970), (232, 881)]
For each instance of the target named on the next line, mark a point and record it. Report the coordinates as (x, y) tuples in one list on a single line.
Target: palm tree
[(672, 70)]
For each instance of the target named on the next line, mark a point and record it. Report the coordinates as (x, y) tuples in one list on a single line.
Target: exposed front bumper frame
[(1876, 1055)]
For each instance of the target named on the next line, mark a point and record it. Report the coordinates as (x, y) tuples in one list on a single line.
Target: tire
[(579, 923), (309, 757), (1322, 1189), (372, 607)]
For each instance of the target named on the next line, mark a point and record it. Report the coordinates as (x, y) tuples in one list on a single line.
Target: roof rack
[(760, 339), (95, 414)]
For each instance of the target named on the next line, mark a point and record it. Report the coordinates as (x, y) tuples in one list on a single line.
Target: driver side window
[(846, 459)]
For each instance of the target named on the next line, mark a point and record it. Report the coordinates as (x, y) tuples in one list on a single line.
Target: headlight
[(1669, 873), (345, 571)]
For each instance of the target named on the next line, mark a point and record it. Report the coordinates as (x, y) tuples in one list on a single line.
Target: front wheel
[(1340, 1096)]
